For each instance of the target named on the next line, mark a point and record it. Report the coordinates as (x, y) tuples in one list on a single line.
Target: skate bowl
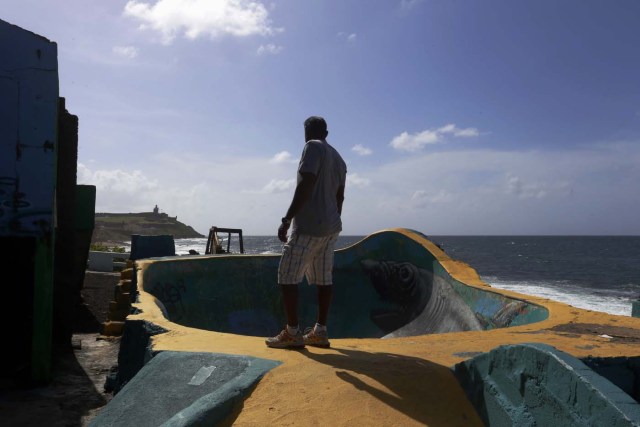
[(390, 284), (417, 338)]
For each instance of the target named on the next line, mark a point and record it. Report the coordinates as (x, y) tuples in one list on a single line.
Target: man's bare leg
[(290, 300), (325, 294)]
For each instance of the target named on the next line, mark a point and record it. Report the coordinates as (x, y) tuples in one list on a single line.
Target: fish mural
[(504, 316), (420, 303)]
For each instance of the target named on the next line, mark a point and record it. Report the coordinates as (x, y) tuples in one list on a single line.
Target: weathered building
[(44, 215)]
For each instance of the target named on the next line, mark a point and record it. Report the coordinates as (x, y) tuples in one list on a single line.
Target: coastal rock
[(118, 227)]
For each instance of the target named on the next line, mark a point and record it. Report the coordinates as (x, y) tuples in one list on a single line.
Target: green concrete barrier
[(184, 389), (635, 309), (151, 246), (536, 384)]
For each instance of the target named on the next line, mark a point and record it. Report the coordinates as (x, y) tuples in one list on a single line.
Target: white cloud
[(351, 38), (591, 190), (270, 48), (118, 190), (203, 191), (452, 129), (409, 4), (279, 186), (518, 188), (422, 198), (282, 157), (126, 51), (197, 18), (117, 180), (468, 132), (361, 150), (355, 180), (415, 142)]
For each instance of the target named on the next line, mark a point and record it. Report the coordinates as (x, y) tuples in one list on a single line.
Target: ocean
[(600, 273)]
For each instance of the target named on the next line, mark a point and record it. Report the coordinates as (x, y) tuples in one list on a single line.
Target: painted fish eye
[(406, 273), (403, 278)]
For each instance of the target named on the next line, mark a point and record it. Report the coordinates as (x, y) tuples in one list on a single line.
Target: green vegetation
[(101, 247)]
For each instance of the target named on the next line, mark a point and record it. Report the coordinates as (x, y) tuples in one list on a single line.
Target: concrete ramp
[(184, 389)]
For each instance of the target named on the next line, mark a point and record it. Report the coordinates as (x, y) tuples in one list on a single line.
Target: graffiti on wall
[(171, 294), (28, 130)]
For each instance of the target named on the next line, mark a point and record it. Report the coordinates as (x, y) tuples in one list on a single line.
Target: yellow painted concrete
[(390, 382)]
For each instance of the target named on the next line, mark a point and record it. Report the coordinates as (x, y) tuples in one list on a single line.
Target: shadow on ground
[(76, 393), (391, 378)]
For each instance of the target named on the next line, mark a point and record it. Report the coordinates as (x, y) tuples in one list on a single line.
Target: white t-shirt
[(319, 216)]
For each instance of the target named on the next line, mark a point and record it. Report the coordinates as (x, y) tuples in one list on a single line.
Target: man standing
[(314, 218)]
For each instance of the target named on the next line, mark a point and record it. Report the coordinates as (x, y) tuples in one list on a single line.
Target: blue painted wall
[(28, 131)]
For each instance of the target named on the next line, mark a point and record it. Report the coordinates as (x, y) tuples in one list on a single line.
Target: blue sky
[(454, 117)]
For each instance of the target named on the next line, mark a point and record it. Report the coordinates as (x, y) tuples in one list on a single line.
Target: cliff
[(118, 227)]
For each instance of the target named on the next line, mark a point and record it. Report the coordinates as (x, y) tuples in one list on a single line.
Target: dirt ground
[(76, 393)]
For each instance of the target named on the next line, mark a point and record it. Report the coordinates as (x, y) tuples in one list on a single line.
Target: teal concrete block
[(635, 308), (151, 246), (535, 384), (498, 411), (184, 389)]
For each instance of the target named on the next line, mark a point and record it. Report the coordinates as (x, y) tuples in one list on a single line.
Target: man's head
[(315, 127)]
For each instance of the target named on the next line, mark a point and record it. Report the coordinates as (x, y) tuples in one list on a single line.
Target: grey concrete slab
[(184, 389)]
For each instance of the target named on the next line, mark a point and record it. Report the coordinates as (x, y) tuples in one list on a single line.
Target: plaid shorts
[(309, 256)]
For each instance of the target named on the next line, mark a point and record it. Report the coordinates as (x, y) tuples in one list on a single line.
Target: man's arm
[(340, 198), (303, 192)]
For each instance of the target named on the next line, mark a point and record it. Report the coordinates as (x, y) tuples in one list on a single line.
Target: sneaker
[(318, 339), (285, 340)]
